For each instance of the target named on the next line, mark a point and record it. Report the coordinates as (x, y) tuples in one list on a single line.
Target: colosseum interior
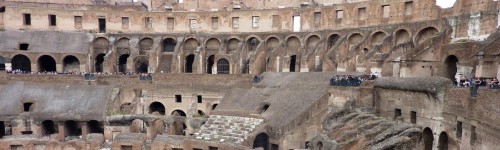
[(249, 74)]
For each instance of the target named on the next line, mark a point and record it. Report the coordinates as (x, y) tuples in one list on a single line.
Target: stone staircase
[(227, 129)]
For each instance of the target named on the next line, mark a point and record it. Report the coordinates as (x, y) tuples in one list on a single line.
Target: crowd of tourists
[(475, 83), (351, 80), (88, 76)]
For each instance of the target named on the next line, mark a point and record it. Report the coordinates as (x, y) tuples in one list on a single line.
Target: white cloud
[(445, 3)]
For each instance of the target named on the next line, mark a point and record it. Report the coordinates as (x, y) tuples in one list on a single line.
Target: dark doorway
[(157, 107), (262, 140), (451, 67), (428, 139), (2, 129), (252, 44), (21, 62), (72, 129), (95, 127), (102, 25), (210, 64), (319, 146), (169, 45), (28, 107), (2, 63), (99, 61), (443, 141), (214, 106), (246, 67), (188, 68), (122, 63), (71, 64), (46, 64), (178, 113), (293, 62), (223, 66), (141, 65), (48, 128)]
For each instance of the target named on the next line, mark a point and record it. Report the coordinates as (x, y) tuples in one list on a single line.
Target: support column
[(85, 129), (62, 131)]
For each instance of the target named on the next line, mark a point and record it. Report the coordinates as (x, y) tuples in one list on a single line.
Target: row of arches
[(159, 108), (428, 139), (141, 63), (292, 42), (223, 65), (45, 63), (71, 127)]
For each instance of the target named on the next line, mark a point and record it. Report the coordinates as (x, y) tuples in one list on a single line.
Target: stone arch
[(272, 43), (425, 34), (233, 44), (123, 46), (223, 66), (99, 63), (428, 138), (332, 40), (21, 62), (443, 141), (191, 44), (293, 63), (451, 66), (312, 41), (252, 43), (214, 106), (188, 63), (261, 141), (71, 64), (319, 145), (48, 127), (169, 45), (46, 63), (212, 44), (158, 127), (95, 126), (146, 44), (402, 36), (178, 113), (141, 64), (137, 126), (210, 64), (100, 45), (354, 39), (122, 63), (378, 38), (293, 44), (157, 107), (2, 63), (72, 128), (201, 113)]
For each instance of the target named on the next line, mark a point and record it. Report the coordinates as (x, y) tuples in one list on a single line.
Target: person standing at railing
[(475, 87)]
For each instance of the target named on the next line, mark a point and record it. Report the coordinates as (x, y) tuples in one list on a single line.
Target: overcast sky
[(445, 3)]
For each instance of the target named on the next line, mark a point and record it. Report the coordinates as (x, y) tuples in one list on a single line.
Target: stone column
[(85, 129), (62, 131)]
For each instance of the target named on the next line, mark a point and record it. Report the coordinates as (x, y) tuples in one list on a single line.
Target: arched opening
[(264, 108), (425, 34), (95, 127), (122, 63), (2, 63), (210, 64), (28, 107), (178, 113), (48, 127), (293, 63), (126, 108), (312, 41), (214, 106), (355, 38), (21, 62), (378, 38), (223, 66), (272, 43), (252, 44), (233, 44), (72, 129), (319, 146), (191, 44), (100, 45), (332, 40), (99, 63), (123, 46), (451, 67), (428, 138), (188, 67), (402, 36), (46, 64), (246, 67), (71, 64), (261, 141), (201, 113), (157, 107), (443, 141), (145, 45), (169, 45), (212, 44), (158, 127), (141, 64)]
